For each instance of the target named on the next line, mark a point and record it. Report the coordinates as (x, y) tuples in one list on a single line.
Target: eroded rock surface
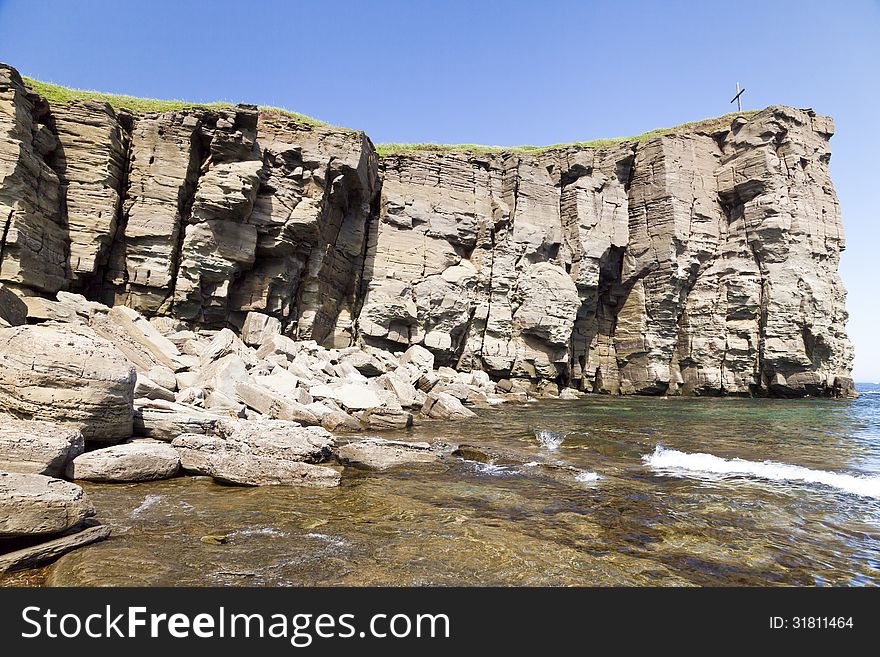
[(35, 504), (703, 261), (67, 374)]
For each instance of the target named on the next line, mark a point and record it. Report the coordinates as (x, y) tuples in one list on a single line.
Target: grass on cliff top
[(705, 125), (57, 95)]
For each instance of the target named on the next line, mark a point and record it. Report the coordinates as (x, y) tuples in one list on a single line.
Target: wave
[(149, 500), (549, 439), (674, 462), (585, 476)]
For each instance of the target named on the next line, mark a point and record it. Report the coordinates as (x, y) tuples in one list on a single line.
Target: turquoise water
[(600, 491)]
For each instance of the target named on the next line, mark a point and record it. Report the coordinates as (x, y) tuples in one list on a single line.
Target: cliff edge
[(701, 261)]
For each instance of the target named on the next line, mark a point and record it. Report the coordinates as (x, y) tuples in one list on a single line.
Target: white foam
[(489, 468), (682, 463), (261, 531), (149, 501), (585, 476), (549, 439)]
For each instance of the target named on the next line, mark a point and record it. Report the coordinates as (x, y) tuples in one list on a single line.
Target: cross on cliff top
[(739, 92)]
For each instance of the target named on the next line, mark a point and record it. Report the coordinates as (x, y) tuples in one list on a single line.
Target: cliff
[(702, 260)]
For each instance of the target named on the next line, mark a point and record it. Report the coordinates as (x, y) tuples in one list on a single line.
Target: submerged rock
[(381, 454), (35, 555)]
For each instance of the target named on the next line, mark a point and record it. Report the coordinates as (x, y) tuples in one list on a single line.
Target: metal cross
[(739, 92)]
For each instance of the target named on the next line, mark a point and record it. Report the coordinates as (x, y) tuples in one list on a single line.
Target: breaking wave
[(549, 439), (672, 461), (149, 500)]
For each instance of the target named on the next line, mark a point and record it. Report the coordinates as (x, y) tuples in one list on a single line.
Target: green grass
[(705, 125), (57, 95)]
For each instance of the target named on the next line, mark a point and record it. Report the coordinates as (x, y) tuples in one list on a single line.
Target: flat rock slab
[(232, 462), (138, 460), (279, 439), (32, 447), (166, 421), (381, 454), (43, 552), (35, 504)]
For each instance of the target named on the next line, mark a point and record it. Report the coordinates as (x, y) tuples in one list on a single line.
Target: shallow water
[(703, 509)]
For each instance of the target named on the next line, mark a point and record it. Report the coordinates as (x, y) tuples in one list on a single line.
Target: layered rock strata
[(702, 261)]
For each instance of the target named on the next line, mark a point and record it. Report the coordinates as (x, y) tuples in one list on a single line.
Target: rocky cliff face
[(699, 262)]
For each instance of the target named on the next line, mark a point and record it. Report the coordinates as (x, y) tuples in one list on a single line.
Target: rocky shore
[(102, 394), (239, 293)]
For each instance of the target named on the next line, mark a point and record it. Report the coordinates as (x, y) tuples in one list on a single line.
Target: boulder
[(381, 454), (225, 343), (35, 504), (356, 396), (163, 377), (258, 327), (570, 394), (418, 356), (443, 406), (340, 421), (365, 363), (69, 375), (386, 419), (165, 420), (140, 341), (401, 387), (223, 374), (273, 405), (146, 388), (13, 311), (30, 447), (261, 453), (137, 460)]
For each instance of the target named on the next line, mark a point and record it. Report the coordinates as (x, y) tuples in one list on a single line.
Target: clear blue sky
[(496, 73)]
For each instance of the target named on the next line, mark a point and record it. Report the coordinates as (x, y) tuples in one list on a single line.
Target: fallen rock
[(401, 386), (138, 460), (386, 419), (570, 394), (69, 375), (273, 405), (365, 363), (340, 421), (443, 406), (276, 458), (36, 504), (13, 311), (381, 454), (279, 439), (418, 356), (146, 388), (36, 555), (165, 421), (258, 327), (140, 341), (356, 396), (30, 447)]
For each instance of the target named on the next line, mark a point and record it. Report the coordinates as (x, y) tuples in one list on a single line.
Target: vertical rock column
[(33, 237)]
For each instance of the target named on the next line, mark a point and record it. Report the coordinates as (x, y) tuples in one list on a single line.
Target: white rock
[(258, 327)]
